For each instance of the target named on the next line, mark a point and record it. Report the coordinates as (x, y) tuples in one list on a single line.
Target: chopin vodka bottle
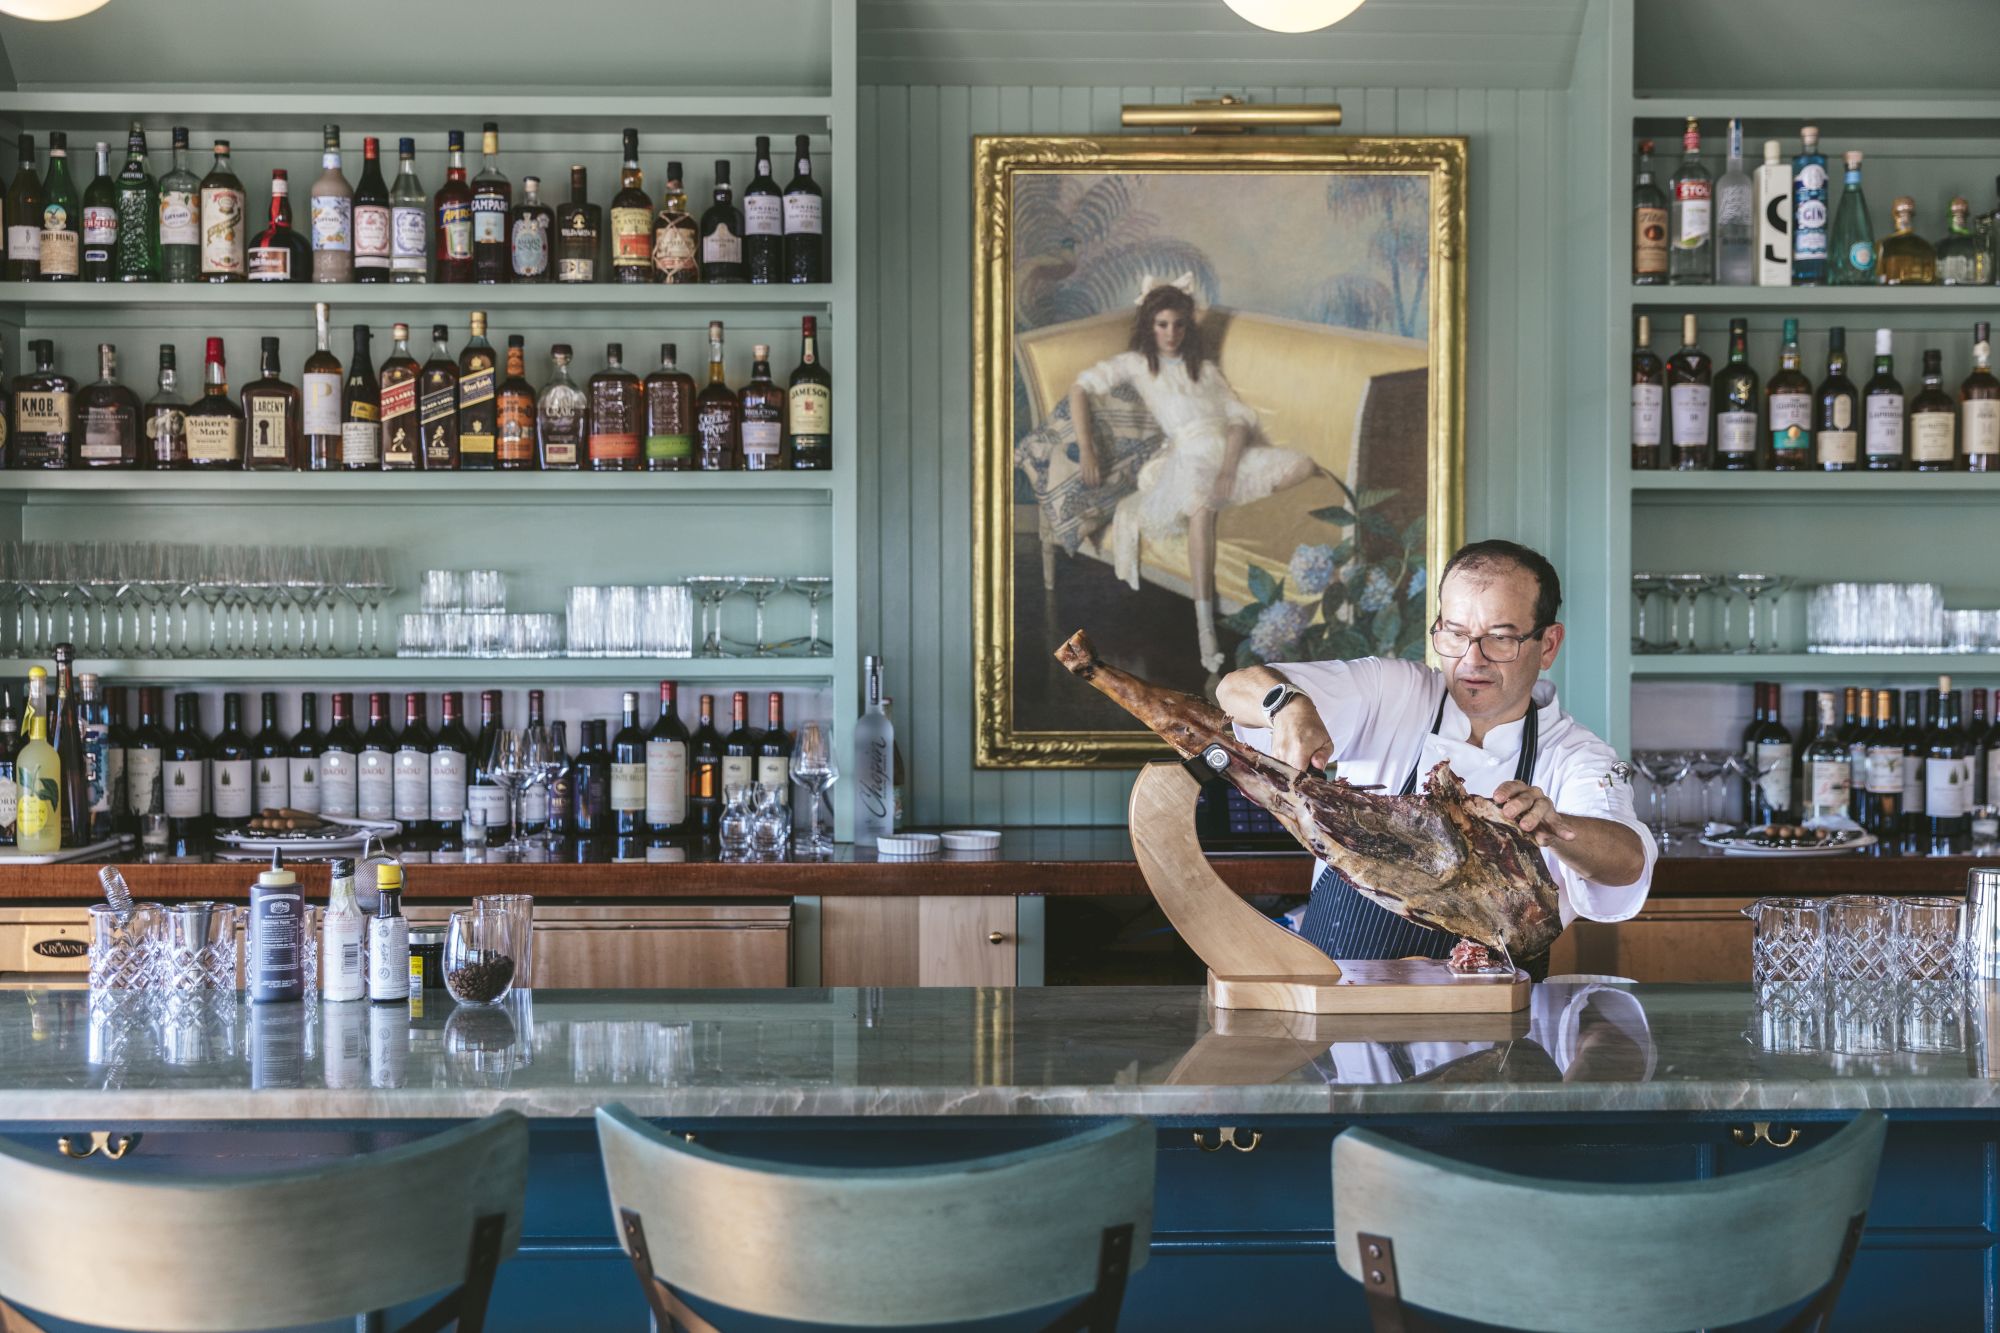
[(874, 762)]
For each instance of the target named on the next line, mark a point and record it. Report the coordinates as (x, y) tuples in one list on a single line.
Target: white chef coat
[(1378, 712), (1555, 1017)]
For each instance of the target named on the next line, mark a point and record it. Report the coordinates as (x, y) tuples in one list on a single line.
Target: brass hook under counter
[(1760, 1132), (103, 1141), (1226, 1135)]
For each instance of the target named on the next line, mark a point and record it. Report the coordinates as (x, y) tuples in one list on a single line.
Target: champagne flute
[(814, 765)]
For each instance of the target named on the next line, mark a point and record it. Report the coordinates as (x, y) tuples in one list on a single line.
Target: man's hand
[(1299, 738), (1533, 813)]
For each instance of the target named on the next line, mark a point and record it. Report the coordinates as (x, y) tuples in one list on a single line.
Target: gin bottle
[(1853, 257), (1809, 212), (874, 762), (1735, 218), (1691, 231)]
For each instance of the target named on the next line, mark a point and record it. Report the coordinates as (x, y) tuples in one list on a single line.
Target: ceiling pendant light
[(49, 11), (1287, 15)]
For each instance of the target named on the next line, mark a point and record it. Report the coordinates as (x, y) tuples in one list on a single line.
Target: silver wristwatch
[(1277, 697)]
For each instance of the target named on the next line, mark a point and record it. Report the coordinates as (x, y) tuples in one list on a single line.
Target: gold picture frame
[(1002, 163)]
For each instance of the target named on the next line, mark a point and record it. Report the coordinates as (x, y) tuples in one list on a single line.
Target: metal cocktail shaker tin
[(1982, 921)]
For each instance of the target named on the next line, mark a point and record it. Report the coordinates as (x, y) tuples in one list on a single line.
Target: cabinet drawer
[(923, 941), (673, 946)]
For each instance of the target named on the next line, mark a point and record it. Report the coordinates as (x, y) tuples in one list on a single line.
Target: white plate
[(1737, 847), (358, 832), (971, 840), (907, 844)]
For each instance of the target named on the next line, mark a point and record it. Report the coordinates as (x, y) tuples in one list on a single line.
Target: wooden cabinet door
[(1672, 939), (966, 942), (646, 956), (924, 941)]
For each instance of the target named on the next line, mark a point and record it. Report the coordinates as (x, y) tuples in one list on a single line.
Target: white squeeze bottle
[(342, 930)]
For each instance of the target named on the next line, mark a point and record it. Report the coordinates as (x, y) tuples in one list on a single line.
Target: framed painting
[(1218, 402)]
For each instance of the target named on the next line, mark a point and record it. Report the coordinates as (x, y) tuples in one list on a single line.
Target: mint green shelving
[(364, 673)]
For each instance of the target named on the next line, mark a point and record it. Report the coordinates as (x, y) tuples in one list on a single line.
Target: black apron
[(1342, 922)]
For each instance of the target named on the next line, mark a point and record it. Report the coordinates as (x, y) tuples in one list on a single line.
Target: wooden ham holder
[(1255, 963)]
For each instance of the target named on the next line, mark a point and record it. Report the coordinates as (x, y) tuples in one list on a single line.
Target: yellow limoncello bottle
[(38, 774)]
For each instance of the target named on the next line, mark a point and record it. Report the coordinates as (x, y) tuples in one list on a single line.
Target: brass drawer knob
[(996, 938)]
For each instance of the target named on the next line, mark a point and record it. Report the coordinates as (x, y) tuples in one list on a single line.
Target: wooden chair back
[(883, 1247), (1418, 1230), (265, 1251)]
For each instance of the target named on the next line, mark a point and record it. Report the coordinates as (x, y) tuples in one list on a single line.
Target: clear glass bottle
[(180, 217), (560, 415), (1691, 229), (1809, 214), (1961, 259), (332, 205), (1852, 257), (1905, 259), (531, 234), (409, 219), (1735, 217), (100, 220), (1828, 766), (874, 762)]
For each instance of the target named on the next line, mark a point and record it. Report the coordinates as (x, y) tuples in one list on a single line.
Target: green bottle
[(100, 219), (61, 218), (1853, 248), (138, 253), (180, 217), (38, 826)]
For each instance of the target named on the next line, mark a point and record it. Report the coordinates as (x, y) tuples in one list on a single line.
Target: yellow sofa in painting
[(1308, 384)]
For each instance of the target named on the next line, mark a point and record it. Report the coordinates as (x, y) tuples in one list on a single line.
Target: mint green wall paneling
[(919, 671), (948, 785), (984, 116), (899, 282)]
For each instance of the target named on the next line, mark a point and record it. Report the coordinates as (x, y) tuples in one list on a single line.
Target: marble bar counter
[(1592, 1082)]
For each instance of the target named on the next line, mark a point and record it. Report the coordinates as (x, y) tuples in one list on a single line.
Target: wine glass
[(813, 764)]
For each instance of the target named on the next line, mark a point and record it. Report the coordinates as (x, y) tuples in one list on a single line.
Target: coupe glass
[(1663, 769), (1707, 766), (1643, 588), (815, 588), (814, 765), (1753, 586), (1686, 589)]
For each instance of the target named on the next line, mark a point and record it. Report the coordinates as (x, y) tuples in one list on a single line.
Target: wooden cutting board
[(1368, 986)]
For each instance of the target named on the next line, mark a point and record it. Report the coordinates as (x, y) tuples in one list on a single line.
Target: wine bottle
[(591, 813), (10, 752), (340, 763), (705, 772), (722, 233), (272, 750), (61, 251), (1916, 746), (307, 748), (451, 761), (375, 766), (1828, 768), (23, 212), (145, 761), (1771, 787), (486, 791), (535, 790), (739, 747), (412, 766), (763, 221), (1975, 740), (1946, 792), (1854, 735), (559, 818), (774, 750), (667, 768), (1933, 420), (629, 829), (73, 814), (805, 255), (1979, 408), (1883, 801), (184, 778), (231, 784)]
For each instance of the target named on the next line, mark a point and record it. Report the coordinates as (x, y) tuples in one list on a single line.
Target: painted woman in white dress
[(1210, 459)]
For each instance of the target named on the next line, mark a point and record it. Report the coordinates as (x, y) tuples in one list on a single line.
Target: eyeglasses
[(1493, 647)]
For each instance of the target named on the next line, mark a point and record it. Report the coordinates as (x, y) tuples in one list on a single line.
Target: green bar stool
[(265, 1251), (887, 1247), (1422, 1232)]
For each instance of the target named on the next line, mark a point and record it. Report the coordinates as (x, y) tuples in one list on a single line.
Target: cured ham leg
[(1445, 858)]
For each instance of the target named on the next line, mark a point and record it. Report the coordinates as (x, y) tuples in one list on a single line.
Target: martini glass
[(1643, 588), (1663, 768)]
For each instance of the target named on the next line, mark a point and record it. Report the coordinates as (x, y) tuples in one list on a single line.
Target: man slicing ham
[(1489, 714)]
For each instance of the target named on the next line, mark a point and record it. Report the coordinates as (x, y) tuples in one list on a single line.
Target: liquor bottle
[(805, 220), (1916, 743), (1759, 695), (1738, 442), (233, 794), (44, 412), (1854, 736), (117, 737), (66, 735), (340, 762), (360, 410), (486, 788), (514, 413), (629, 829), (718, 415), (1809, 215), (616, 415), (492, 200), (1808, 726), (1788, 404), (667, 768), (1986, 230), (1947, 793), (705, 772), (343, 974), (402, 435), (279, 254), (763, 221), (137, 257), (1774, 218), (559, 819), (1648, 398), (478, 414), (774, 749), (1979, 408), (437, 404), (373, 219), (1836, 410), (388, 966), (451, 761), (874, 761), (38, 779), (534, 801), (1735, 217), (60, 217), (1961, 259), (590, 811), (10, 751), (409, 219), (319, 409), (763, 407), (145, 758), (739, 747), (1975, 740), (1688, 396), (180, 216), (1852, 251), (578, 226), (1828, 767), (1649, 224), (271, 415), (272, 750), (1883, 800), (332, 210), (110, 416), (184, 779), (669, 415), (560, 416), (530, 234), (631, 220), (375, 766), (93, 722), (676, 235), (1988, 762), (223, 223), (166, 419), (23, 210), (308, 745), (1882, 403), (1903, 259), (412, 766), (1933, 420), (722, 233), (100, 220), (1691, 248), (452, 212)]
